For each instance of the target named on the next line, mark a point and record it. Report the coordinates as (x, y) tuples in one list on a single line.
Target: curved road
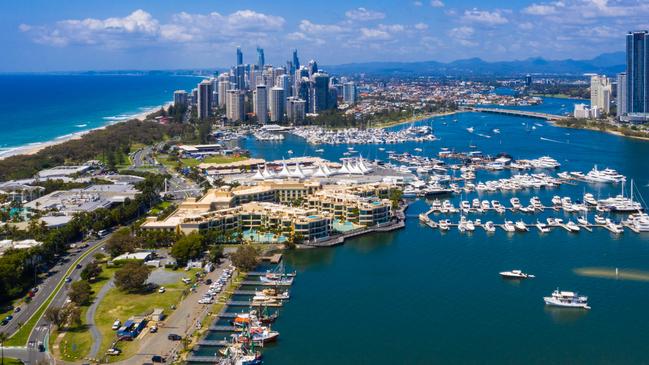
[(90, 319)]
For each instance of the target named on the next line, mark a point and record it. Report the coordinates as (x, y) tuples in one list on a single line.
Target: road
[(90, 319), (41, 330)]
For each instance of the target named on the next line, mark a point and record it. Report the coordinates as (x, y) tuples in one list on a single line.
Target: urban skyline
[(140, 35)]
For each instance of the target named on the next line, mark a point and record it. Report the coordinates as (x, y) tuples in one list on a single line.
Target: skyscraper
[(235, 105), (349, 92), (621, 94), (296, 60), (261, 60), (295, 109), (320, 92), (277, 104), (224, 86), (284, 81), (204, 99), (312, 67), (180, 98), (528, 80), (303, 91), (240, 76), (600, 93), (239, 56), (261, 103), (637, 72)]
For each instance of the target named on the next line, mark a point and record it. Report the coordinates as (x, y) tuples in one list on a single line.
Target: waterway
[(420, 296)]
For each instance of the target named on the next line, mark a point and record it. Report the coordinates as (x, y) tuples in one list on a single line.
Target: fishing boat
[(515, 274), (566, 299)]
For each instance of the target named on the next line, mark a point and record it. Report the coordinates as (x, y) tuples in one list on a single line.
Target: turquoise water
[(40, 107), (420, 296)]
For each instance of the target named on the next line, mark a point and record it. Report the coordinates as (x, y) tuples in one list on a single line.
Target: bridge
[(520, 113)]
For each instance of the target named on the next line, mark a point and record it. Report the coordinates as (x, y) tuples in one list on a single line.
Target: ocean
[(421, 296), (36, 108)]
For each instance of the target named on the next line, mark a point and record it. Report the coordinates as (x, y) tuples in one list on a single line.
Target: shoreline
[(35, 147), (416, 119), (595, 129)]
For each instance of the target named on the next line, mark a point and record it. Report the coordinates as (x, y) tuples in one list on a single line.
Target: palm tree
[(3, 337)]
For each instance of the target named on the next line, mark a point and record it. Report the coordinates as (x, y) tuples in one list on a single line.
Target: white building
[(261, 103), (621, 94), (224, 86), (180, 98), (600, 93), (277, 104), (235, 100), (350, 93)]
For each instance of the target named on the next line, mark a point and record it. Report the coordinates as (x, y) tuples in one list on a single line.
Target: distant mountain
[(607, 63)]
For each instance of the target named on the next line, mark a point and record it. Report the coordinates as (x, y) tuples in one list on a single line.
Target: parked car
[(208, 281), (113, 352), (157, 358), (161, 289), (174, 337), (68, 279), (116, 325), (17, 309), (153, 329)]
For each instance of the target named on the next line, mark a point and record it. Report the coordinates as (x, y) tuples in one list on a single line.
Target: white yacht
[(566, 299), (516, 203), (542, 227), (489, 226), (556, 200), (590, 199), (444, 224), (614, 227), (521, 226), (509, 226), (600, 219), (640, 222), (515, 274), (572, 226), (582, 220)]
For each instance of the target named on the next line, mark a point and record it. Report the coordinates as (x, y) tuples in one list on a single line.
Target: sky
[(77, 35)]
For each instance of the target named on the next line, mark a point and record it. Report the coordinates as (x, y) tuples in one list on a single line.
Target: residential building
[(321, 92), (235, 103), (277, 104), (295, 109), (224, 86), (261, 103), (637, 73), (621, 94), (204, 99), (180, 98), (600, 93)]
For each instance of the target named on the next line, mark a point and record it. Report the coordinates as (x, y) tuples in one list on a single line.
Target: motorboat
[(556, 200), (639, 222), (614, 227), (489, 226), (515, 274), (542, 227), (589, 199), (509, 226), (516, 203), (521, 226), (444, 224), (582, 220), (566, 299), (572, 226), (600, 220)]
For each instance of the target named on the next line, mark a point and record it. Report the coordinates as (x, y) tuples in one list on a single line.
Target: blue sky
[(46, 35)]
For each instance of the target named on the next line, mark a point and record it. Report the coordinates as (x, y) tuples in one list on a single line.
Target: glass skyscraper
[(637, 72)]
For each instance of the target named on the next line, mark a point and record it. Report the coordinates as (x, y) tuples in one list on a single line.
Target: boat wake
[(552, 140), (81, 125)]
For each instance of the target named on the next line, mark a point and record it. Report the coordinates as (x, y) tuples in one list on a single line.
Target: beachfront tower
[(637, 73), (204, 99)]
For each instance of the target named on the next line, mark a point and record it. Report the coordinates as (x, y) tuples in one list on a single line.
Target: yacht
[(556, 200), (520, 226), (640, 222), (589, 199), (542, 227), (470, 129), (614, 227), (516, 203), (600, 219), (485, 205), (604, 176), (509, 226), (572, 226), (621, 204), (552, 222), (566, 299), (515, 274), (444, 224), (489, 226), (582, 220), (536, 203)]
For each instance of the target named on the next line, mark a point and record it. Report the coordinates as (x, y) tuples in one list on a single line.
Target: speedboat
[(542, 227), (582, 220), (566, 299), (444, 224), (509, 226), (516, 203), (515, 274), (572, 226), (520, 226), (600, 219), (489, 226)]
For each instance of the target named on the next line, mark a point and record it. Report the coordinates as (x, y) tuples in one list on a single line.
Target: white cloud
[(463, 32), (421, 26), (141, 28), (363, 14), (437, 3), (526, 26), (484, 17), (540, 9), (307, 26), (376, 34)]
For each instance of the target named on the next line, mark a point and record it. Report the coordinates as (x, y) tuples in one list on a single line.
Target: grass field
[(11, 361), (122, 306), (21, 337), (192, 162)]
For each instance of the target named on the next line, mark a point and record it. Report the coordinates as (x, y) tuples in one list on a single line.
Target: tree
[(215, 254), (3, 337), (132, 276), (187, 248), (245, 258), (80, 292), (120, 242), (91, 271)]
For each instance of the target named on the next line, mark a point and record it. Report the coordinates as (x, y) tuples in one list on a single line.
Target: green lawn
[(21, 337), (76, 342), (120, 305), (192, 162), (11, 361)]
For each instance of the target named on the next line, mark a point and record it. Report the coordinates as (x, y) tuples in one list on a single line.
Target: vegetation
[(604, 126), (560, 90), (80, 292), (132, 277), (91, 271), (187, 248), (120, 242), (68, 315), (245, 258)]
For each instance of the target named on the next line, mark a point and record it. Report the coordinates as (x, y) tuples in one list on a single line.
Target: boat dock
[(262, 283), (259, 273)]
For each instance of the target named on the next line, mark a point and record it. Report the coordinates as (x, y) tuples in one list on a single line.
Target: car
[(174, 337), (153, 329), (78, 266), (205, 301), (113, 351), (9, 318), (41, 347), (3, 322), (68, 279), (17, 309), (116, 325), (208, 281), (157, 358), (161, 290)]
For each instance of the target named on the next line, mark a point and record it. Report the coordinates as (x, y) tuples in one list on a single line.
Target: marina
[(467, 264)]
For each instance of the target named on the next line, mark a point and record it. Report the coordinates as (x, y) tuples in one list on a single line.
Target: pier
[(520, 113)]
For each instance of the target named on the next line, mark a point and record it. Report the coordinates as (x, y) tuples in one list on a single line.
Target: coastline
[(415, 119), (595, 129), (33, 148)]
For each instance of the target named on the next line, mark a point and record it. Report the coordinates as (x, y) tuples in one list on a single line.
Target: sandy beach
[(33, 148)]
